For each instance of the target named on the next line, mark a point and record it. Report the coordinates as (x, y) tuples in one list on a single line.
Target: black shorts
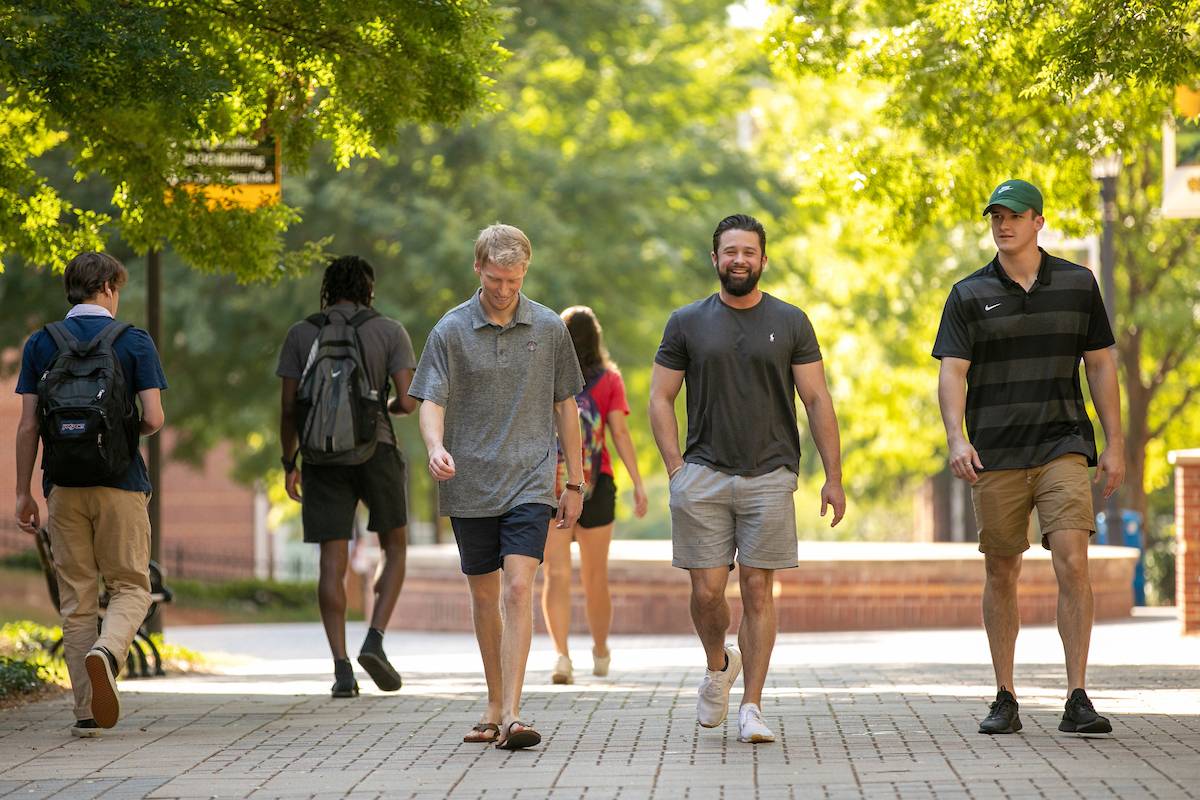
[(483, 542), (331, 495), (601, 508)]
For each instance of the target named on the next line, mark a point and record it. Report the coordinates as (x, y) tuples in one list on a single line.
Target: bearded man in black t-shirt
[(743, 354)]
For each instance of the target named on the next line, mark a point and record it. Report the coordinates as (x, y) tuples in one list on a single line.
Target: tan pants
[(99, 532)]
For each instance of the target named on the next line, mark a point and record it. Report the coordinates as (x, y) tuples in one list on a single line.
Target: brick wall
[(838, 586), (1187, 538)]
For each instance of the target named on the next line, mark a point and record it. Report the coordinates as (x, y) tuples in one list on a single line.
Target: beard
[(739, 287)]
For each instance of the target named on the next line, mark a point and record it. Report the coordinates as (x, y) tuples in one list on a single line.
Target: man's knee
[(518, 591), (1003, 572), (756, 586), (1071, 567), (708, 596)]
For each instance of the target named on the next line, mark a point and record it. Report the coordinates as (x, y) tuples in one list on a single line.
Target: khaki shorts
[(1060, 491), (717, 518)]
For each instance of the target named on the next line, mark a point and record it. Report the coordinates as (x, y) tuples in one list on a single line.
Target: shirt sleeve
[(291, 356), (147, 367), (27, 379), (953, 336), (432, 379), (806, 349), (616, 400), (672, 351), (568, 379), (400, 353), (1099, 335)]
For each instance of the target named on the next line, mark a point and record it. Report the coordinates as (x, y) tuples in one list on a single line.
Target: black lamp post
[(1106, 168)]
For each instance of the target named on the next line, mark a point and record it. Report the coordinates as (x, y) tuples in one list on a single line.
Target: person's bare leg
[(710, 612), (556, 587), (519, 573), (331, 594), (756, 635), (1069, 554), (593, 572), (485, 613), (1001, 617), (389, 577)]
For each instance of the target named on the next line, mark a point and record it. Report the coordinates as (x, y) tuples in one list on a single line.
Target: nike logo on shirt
[(989, 308)]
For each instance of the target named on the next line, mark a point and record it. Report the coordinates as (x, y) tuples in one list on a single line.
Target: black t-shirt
[(741, 396)]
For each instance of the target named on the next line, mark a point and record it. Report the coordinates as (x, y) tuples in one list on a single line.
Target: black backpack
[(88, 421), (337, 409)]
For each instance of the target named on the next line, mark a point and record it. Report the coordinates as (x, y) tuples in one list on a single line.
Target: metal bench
[(143, 659)]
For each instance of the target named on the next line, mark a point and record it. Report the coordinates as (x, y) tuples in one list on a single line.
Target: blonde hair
[(503, 245)]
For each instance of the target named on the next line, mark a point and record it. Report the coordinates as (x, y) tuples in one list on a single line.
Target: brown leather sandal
[(483, 733), (526, 737)]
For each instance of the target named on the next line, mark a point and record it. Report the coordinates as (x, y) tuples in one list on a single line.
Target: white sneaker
[(600, 664), (712, 704), (562, 671), (751, 728)]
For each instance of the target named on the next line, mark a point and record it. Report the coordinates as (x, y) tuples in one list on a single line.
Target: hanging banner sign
[(248, 170), (1181, 156)]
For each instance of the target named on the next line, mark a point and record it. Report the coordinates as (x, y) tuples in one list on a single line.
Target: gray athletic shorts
[(715, 516)]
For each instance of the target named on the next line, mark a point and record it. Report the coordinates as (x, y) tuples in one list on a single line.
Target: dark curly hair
[(588, 339), (348, 278)]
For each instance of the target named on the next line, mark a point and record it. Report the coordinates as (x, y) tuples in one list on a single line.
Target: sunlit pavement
[(889, 714)]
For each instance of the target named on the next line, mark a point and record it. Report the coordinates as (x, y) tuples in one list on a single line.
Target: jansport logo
[(72, 427)]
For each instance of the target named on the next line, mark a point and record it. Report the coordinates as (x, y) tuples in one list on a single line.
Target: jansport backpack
[(592, 436), (337, 409), (88, 421)]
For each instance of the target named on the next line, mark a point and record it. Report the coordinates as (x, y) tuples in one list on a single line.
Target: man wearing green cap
[(1010, 342)]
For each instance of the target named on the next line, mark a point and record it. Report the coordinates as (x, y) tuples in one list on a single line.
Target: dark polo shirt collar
[(479, 318), (1045, 273)]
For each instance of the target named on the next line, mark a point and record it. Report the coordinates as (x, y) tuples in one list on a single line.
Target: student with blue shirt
[(98, 520)]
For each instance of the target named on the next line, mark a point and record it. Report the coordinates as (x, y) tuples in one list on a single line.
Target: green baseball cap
[(1018, 195)]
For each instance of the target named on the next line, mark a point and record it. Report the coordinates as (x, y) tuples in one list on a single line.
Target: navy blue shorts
[(483, 542)]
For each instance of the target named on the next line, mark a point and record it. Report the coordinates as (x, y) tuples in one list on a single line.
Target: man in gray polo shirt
[(497, 378)]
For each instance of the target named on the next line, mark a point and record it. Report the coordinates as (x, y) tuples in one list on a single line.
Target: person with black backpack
[(335, 367), (78, 383)]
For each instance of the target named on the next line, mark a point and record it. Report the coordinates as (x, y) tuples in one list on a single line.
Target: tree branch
[(1175, 411)]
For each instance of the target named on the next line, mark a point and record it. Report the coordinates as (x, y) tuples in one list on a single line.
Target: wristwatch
[(575, 487), (288, 464)]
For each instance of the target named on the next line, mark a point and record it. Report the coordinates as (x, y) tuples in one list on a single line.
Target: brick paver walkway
[(856, 715)]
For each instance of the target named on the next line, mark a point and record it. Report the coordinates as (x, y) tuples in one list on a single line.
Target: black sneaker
[(85, 729), (1003, 717), (1080, 717), (375, 662), (344, 684)]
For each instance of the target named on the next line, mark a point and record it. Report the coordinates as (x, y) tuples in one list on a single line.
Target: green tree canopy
[(967, 94), (120, 86)]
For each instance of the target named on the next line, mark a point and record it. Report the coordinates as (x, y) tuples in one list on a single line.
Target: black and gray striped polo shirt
[(1024, 401)]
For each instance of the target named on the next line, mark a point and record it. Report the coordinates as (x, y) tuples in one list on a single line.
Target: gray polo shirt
[(498, 386)]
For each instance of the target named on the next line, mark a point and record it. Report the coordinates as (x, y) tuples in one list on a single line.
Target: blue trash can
[(1130, 535)]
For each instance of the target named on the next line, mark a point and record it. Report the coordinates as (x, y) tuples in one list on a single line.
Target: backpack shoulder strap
[(590, 383), (319, 319), (365, 315), (61, 334), (109, 335)]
